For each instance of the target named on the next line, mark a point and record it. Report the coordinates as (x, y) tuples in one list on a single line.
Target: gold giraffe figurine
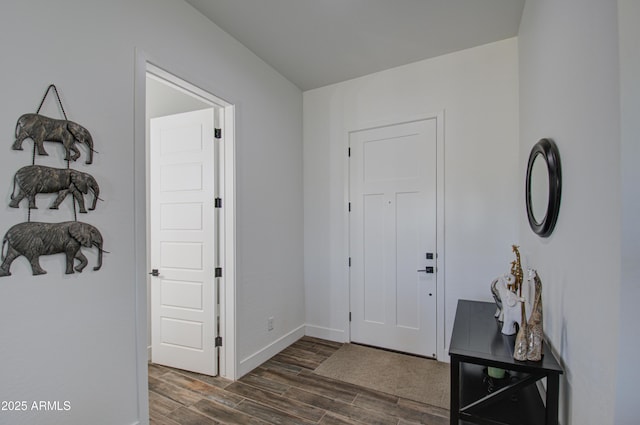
[(513, 285), (522, 338), (517, 270)]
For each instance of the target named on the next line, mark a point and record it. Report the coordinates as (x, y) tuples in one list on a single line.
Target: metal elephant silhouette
[(34, 179), (41, 128), (33, 239)]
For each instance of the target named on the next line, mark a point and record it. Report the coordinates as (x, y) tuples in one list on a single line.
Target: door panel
[(181, 294), (183, 241), (408, 249), (181, 216), (393, 227), (180, 255), (181, 177), (374, 253), (182, 333)]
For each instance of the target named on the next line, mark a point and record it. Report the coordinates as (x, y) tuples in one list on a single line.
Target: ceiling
[(314, 43), (164, 99)]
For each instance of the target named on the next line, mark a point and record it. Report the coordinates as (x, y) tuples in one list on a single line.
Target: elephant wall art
[(33, 239), (34, 179), (44, 129)]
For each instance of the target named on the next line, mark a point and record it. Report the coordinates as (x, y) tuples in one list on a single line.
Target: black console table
[(476, 344)]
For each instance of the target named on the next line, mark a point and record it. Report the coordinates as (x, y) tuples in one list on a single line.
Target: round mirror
[(539, 188), (543, 187)]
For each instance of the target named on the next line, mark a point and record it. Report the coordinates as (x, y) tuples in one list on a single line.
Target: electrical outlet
[(270, 324)]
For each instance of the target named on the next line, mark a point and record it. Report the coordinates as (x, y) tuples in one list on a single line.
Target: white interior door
[(393, 237), (183, 241)]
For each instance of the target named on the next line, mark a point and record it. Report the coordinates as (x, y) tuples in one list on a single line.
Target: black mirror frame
[(549, 151)]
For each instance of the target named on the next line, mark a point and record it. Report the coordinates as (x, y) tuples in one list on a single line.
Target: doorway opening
[(189, 192)]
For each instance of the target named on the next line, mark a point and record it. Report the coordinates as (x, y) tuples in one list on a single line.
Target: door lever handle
[(155, 273), (427, 270)]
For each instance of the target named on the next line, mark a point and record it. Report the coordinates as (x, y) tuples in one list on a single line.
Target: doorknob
[(427, 270), (155, 273)]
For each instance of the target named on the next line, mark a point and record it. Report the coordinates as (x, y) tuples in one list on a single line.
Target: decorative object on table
[(522, 343), (40, 129), (496, 297), (543, 187), (522, 339), (34, 179), (33, 239), (495, 378), (507, 293), (495, 372), (505, 280), (534, 325), (510, 312), (516, 271)]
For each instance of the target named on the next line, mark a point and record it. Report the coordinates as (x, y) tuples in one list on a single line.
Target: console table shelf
[(477, 343)]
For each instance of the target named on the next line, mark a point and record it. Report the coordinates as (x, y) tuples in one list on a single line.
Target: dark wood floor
[(283, 391)]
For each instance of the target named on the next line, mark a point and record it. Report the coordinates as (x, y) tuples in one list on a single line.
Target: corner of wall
[(256, 359)]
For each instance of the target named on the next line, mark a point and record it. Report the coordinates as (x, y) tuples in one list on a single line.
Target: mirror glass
[(539, 188)]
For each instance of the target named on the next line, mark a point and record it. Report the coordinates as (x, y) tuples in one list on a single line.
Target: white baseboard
[(329, 334), (256, 359)]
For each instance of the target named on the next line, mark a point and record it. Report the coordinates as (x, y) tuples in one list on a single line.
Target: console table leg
[(454, 406), (553, 395)]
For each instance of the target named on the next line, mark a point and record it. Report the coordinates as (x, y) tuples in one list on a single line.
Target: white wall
[(569, 92), (478, 91), (74, 337), (628, 374)]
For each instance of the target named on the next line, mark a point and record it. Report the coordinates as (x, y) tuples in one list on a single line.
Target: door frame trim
[(441, 354), (227, 284)]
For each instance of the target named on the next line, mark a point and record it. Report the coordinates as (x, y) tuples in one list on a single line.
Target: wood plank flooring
[(283, 391)]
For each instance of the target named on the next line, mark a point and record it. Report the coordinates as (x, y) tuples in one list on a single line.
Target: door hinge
[(217, 133), (218, 272), (218, 341), (349, 316), (218, 203), (349, 152), (349, 261), (349, 206)]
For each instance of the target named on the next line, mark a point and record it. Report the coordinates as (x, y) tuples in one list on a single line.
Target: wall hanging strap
[(33, 159), (64, 114), (46, 93)]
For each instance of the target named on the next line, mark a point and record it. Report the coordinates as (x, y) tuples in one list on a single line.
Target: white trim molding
[(256, 359), (337, 335), (228, 360)]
